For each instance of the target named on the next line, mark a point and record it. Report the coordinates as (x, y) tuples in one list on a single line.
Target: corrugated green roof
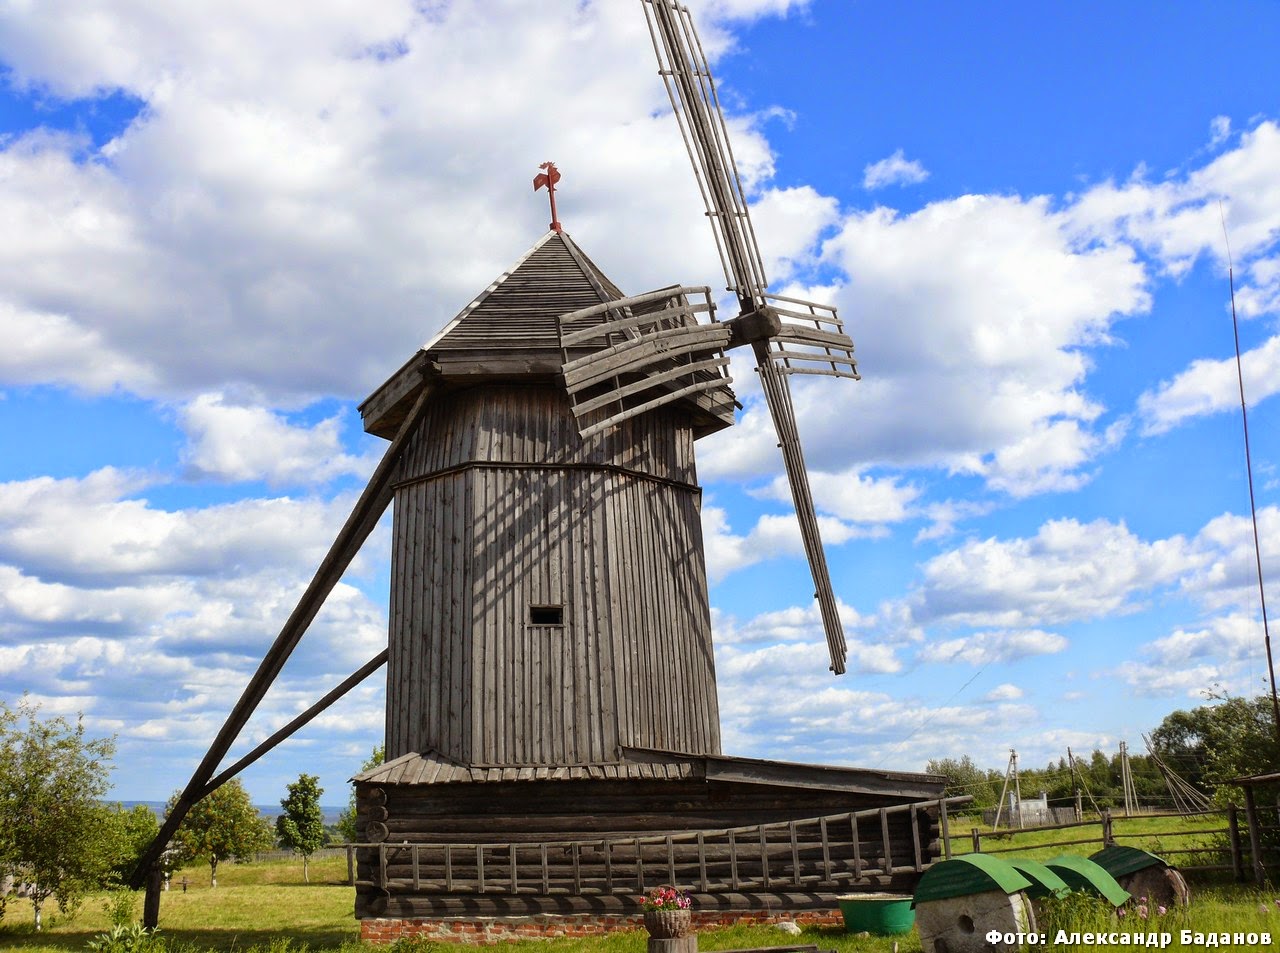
[(1083, 874), (1044, 882), (970, 874), (1120, 861)]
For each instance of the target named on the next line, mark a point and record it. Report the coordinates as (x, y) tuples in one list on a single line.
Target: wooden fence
[(833, 852), (1225, 840)]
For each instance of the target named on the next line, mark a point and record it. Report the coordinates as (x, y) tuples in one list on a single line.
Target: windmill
[(786, 335), (552, 724)]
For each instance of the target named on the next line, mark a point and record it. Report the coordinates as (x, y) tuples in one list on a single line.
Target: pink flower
[(1162, 909), (666, 898)]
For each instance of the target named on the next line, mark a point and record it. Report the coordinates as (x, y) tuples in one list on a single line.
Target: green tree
[(131, 832), (1210, 745), (347, 819), (54, 832), (301, 826), (965, 777), (220, 826)]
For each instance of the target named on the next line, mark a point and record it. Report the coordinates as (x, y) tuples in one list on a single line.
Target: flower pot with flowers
[(666, 913)]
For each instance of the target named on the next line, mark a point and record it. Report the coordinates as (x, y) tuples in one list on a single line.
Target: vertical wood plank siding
[(500, 506)]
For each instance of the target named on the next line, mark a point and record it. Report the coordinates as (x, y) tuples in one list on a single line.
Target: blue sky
[(226, 224)]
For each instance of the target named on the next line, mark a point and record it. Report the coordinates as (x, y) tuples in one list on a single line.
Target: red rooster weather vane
[(549, 178)]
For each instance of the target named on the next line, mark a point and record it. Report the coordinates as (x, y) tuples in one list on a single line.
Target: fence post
[(1108, 840), (944, 825), (1233, 835), (977, 841), (1255, 838)]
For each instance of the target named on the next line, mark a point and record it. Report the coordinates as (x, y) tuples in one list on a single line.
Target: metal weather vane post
[(549, 177)]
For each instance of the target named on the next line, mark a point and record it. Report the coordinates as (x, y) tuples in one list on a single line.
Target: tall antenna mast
[(1248, 464)]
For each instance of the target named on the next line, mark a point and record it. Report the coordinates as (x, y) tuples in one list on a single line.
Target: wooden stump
[(678, 944)]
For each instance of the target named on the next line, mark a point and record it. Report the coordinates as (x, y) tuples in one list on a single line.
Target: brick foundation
[(484, 931)]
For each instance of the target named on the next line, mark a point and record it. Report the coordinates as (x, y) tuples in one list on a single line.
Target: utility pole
[(1075, 785), (1010, 771), (1126, 782), (1017, 788)]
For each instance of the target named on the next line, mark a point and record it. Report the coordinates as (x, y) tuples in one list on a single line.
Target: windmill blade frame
[(692, 91), (777, 394), (651, 350), (816, 336)]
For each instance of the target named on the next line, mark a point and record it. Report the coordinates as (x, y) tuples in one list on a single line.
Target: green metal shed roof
[(1044, 882), (1119, 861), (966, 875), (1082, 874)]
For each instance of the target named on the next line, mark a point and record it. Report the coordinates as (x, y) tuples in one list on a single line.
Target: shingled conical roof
[(519, 310), (509, 332)]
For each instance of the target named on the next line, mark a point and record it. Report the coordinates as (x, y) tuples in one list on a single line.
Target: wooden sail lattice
[(812, 339), (644, 352)]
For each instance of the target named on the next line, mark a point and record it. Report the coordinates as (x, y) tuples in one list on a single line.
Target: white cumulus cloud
[(896, 169)]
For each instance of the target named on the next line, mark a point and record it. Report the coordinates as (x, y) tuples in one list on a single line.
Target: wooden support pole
[(350, 682), (364, 517), (151, 903)]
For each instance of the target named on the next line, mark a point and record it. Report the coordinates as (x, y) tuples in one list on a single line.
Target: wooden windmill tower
[(552, 722)]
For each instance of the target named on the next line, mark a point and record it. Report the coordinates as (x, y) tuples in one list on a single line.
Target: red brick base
[(484, 931)]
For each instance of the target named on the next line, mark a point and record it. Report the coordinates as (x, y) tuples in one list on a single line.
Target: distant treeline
[(332, 812), (1206, 746)]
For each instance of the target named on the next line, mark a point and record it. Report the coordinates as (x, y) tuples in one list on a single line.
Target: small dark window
[(546, 615)]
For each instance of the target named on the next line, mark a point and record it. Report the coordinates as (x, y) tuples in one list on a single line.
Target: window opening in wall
[(546, 615)]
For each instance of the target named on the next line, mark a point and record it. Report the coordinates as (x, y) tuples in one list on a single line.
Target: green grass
[(253, 905), (1156, 834), (265, 908)]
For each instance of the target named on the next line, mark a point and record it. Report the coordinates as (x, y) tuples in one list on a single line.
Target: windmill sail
[(692, 91), (687, 76)]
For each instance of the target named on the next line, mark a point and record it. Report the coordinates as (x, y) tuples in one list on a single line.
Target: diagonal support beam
[(364, 517), (350, 682)]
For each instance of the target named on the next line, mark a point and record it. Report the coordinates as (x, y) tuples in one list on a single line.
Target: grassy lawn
[(266, 908), (1160, 835)]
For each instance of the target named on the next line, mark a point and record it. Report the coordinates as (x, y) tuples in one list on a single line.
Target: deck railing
[(837, 851)]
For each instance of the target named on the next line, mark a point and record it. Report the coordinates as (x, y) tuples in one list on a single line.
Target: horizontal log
[(626, 851), (900, 842), (693, 812), (367, 904), (621, 886)]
